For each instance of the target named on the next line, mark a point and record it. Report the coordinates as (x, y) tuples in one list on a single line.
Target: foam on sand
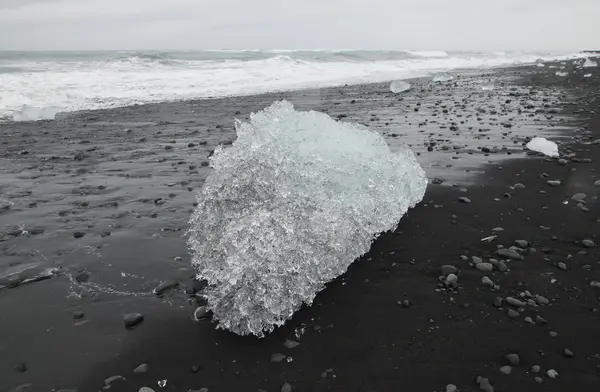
[(289, 206)]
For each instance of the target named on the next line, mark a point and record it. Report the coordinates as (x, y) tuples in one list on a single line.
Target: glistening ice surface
[(289, 206)]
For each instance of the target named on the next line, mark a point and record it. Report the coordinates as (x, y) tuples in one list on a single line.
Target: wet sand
[(123, 182)]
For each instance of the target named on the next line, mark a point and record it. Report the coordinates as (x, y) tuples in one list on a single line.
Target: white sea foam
[(77, 83)]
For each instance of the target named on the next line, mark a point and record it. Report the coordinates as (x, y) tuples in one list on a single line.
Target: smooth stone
[(78, 234), (597, 183), (587, 243), (82, 277), (562, 266), (165, 286), (539, 380), (498, 302), (512, 313), (595, 284), (487, 282), (132, 319), (78, 314), (286, 387), (485, 267), (522, 243), (514, 302), (518, 185), (497, 229), (552, 373), (484, 384), (579, 196), (542, 300), (448, 269), (506, 370), (451, 279), (464, 199), (535, 369), (501, 267), (146, 389), (554, 182), (291, 344), (451, 388), (476, 260), (509, 254), (277, 357), (568, 353), (513, 359), (112, 379), (143, 368)]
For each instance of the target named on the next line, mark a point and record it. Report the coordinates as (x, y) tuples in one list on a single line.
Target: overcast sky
[(300, 24)]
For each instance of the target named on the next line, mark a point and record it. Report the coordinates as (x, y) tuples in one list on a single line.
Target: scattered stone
[(553, 334), (562, 266), (143, 368), (200, 313), (286, 387), (554, 182), (451, 388), (579, 196), (541, 300), (498, 302), (484, 384), (194, 369), (518, 185), (568, 353), (597, 183), (512, 313), (451, 280), (485, 267), (501, 267), (277, 357), (513, 359), (290, 344), (108, 381), (82, 277), (587, 243), (78, 314), (522, 244), (535, 369), (487, 282), (595, 284), (146, 389), (465, 200), (165, 286), (20, 367), (448, 269), (506, 370), (78, 234), (552, 373), (476, 260), (509, 254), (514, 302), (21, 388), (132, 319)]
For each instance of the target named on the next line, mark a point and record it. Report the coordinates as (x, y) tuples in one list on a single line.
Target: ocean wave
[(428, 53)]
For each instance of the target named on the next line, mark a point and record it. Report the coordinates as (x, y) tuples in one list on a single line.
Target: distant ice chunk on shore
[(487, 87), (544, 146), (587, 75), (442, 77), (399, 86), (288, 207), (561, 73), (589, 63), (32, 113)]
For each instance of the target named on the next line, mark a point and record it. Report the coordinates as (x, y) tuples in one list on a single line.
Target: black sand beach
[(94, 208)]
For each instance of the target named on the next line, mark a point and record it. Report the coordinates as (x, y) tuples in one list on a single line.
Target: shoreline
[(360, 334)]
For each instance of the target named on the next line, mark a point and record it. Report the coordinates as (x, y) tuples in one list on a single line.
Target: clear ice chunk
[(487, 87), (399, 86), (561, 73), (442, 77), (288, 207), (32, 113), (587, 75), (589, 63), (544, 146)]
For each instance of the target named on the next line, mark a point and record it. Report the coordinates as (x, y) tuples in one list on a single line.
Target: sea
[(38, 85)]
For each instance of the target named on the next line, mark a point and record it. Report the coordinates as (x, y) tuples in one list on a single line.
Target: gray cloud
[(234, 24)]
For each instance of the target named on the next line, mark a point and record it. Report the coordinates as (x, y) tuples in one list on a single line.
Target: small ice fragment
[(544, 146), (552, 373), (587, 75), (560, 73), (442, 77), (399, 86), (288, 207), (589, 63), (487, 87), (32, 113), (541, 65)]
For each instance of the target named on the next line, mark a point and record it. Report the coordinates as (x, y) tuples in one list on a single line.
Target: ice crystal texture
[(288, 207)]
